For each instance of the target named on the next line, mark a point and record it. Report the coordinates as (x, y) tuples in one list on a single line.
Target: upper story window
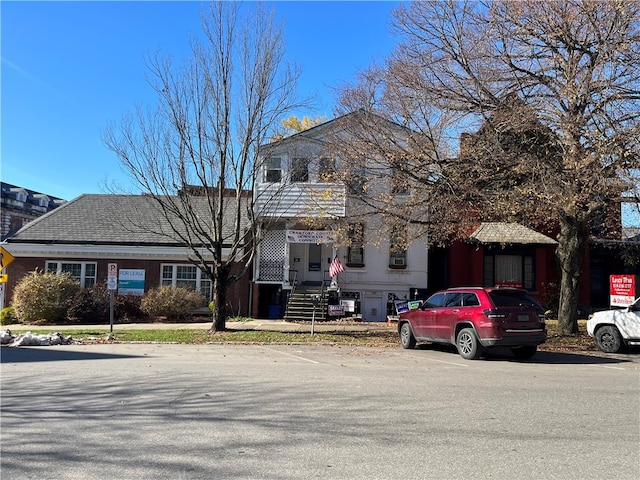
[(21, 196), (273, 172), (357, 181), (355, 250), (84, 272), (398, 183), (398, 248), (327, 169), (300, 170), (43, 201)]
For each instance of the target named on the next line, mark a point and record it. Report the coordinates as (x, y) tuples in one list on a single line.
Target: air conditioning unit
[(399, 261)]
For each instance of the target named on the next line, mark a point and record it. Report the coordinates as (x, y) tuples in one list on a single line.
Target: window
[(274, 170), (187, 276), (357, 181), (327, 170), (470, 300), (398, 248), (355, 250), (434, 301), (398, 183), (83, 272), (300, 170), (509, 271), (452, 300)]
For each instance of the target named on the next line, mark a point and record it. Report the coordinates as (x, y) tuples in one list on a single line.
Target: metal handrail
[(293, 290)]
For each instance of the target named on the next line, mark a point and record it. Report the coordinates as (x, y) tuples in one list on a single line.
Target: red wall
[(238, 293)]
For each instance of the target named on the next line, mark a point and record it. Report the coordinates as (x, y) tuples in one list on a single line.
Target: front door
[(313, 266)]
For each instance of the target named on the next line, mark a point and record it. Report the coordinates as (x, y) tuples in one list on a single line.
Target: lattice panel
[(272, 251)]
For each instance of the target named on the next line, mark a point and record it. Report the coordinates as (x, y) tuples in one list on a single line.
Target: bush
[(127, 308), (90, 305), (8, 316), (171, 302), (44, 296)]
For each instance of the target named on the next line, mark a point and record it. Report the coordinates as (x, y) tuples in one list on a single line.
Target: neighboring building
[(86, 234), (20, 206), (498, 254)]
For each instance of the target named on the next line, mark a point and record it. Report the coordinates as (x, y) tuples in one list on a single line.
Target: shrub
[(90, 305), (44, 296), (171, 302), (128, 308), (8, 316)]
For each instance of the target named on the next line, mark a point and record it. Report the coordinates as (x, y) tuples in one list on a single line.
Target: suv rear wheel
[(468, 345), (406, 336)]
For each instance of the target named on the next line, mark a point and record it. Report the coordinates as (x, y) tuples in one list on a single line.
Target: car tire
[(407, 340), (525, 351), (608, 339), (468, 345)]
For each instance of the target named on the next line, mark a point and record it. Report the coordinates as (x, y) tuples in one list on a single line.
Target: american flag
[(336, 267)]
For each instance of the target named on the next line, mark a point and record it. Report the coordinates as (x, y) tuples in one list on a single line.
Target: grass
[(555, 342), (194, 336)]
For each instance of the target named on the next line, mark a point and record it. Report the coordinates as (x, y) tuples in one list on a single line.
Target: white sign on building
[(131, 281)]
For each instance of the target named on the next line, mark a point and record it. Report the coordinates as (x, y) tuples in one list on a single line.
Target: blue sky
[(71, 68)]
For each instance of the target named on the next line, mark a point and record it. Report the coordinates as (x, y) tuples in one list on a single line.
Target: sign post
[(112, 285), (315, 299)]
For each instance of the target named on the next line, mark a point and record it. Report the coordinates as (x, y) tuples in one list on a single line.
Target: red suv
[(474, 319)]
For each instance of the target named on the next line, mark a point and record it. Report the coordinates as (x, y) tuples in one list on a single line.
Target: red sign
[(623, 289)]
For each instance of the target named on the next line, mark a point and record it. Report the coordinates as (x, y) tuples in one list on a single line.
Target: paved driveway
[(143, 411)]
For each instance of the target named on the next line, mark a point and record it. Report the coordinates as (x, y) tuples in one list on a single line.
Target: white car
[(614, 328)]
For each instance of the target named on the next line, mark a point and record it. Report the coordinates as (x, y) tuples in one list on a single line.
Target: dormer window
[(21, 196), (273, 172), (43, 201)]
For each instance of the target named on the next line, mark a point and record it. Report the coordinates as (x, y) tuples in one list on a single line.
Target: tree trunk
[(219, 314), (571, 243)]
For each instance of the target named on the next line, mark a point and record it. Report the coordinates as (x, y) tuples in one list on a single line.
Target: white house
[(305, 209)]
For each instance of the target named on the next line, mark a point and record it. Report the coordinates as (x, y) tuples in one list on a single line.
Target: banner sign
[(336, 310), (404, 305), (310, 236), (131, 282), (623, 290), (348, 305)]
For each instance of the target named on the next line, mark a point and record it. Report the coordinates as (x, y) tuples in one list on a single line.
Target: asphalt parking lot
[(157, 411)]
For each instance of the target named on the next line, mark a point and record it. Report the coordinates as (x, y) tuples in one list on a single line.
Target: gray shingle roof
[(112, 219), (509, 233)]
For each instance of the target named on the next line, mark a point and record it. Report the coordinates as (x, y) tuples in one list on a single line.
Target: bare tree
[(551, 90), (195, 155)]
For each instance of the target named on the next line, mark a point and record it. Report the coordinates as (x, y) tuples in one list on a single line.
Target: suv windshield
[(510, 298)]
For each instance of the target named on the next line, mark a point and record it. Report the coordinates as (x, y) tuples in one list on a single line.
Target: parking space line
[(613, 368), (434, 360), (289, 355)]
